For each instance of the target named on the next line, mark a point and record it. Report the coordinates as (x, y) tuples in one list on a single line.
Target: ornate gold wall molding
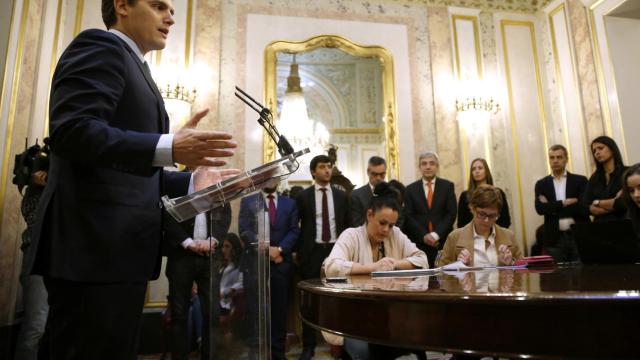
[(514, 134), (12, 107), (337, 42)]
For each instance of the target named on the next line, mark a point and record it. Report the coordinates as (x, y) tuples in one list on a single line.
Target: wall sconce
[(477, 103), (177, 91), (475, 95)]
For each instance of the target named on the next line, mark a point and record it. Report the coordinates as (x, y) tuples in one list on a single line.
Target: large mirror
[(350, 101)]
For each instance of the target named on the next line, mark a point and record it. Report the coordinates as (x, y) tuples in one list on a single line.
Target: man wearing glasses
[(361, 197)]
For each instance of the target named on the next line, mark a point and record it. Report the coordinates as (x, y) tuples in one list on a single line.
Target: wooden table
[(573, 311)]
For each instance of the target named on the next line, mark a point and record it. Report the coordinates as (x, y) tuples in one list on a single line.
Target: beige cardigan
[(462, 238), (353, 246)]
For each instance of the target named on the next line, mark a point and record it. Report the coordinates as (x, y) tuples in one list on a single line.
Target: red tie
[(272, 210), (326, 230), (429, 201)]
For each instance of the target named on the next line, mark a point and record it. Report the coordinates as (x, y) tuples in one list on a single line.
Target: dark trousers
[(319, 253), (280, 276), (182, 271), (564, 249), (94, 320)]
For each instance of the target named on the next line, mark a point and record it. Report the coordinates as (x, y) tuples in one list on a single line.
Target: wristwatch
[(280, 249), (596, 202)]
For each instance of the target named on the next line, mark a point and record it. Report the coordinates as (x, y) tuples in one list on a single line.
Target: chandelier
[(294, 118)]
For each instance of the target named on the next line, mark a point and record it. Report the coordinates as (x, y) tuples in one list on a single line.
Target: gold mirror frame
[(353, 49)]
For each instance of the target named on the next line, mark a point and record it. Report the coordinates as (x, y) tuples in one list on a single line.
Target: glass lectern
[(239, 320)]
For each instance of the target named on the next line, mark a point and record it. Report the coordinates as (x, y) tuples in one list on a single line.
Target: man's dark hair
[(384, 196), (319, 159), (109, 17), (376, 161), (557, 147)]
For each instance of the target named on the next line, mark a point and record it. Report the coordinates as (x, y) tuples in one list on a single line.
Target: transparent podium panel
[(239, 268)]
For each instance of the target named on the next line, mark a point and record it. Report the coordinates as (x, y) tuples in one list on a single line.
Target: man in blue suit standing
[(99, 226), (283, 234)]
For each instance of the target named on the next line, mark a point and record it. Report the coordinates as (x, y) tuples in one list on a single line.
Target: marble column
[(588, 82), (446, 125)]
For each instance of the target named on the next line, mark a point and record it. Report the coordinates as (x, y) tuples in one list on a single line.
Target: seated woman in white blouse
[(481, 242), (376, 245)]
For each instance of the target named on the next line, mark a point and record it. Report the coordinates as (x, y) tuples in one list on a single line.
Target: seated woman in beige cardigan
[(378, 244), (482, 242)]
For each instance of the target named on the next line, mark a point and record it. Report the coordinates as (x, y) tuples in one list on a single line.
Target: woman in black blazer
[(480, 174), (604, 190)]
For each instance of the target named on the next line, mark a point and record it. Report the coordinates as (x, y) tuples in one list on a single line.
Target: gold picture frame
[(337, 42)]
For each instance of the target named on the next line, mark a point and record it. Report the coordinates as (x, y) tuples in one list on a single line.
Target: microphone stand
[(266, 121)]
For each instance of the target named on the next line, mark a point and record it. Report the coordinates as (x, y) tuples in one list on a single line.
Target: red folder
[(541, 261)]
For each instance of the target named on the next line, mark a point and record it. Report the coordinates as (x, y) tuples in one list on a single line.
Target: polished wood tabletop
[(567, 311)]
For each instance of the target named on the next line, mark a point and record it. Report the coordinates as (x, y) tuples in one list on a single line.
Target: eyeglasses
[(487, 217)]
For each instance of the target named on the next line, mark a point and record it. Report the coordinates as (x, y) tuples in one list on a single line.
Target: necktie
[(429, 201), (147, 70), (272, 210), (326, 231)]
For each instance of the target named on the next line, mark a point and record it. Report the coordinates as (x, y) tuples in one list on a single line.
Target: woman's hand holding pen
[(465, 257), (384, 264), (504, 255)]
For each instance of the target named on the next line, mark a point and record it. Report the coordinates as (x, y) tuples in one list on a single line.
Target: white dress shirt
[(483, 255), (560, 186), (332, 213)]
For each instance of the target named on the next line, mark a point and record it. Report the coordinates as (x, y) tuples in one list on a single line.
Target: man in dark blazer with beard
[(324, 214), (429, 208), (558, 200), (99, 222)]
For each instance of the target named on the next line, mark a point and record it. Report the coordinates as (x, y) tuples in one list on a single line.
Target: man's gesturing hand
[(193, 147)]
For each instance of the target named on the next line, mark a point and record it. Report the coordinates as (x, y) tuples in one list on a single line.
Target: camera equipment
[(32, 159)]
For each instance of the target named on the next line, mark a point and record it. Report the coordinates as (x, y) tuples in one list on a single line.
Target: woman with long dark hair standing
[(603, 193), (480, 174)]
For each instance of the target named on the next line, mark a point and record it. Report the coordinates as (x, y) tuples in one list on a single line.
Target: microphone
[(266, 121)]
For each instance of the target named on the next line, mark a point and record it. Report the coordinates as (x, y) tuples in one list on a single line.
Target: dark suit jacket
[(306, 202), (100, 219), (360, 201), (417, 213), (284, 233), (218, 222), (553, 210)]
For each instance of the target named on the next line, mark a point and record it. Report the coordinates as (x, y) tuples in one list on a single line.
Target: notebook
[(608, 242)]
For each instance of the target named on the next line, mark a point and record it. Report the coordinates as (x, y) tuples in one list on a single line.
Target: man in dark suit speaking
[(430, 208), (98, 228)]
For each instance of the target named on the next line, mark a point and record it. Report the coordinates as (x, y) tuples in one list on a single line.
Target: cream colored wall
[(552, 94), (6, 9), (623, 37)]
